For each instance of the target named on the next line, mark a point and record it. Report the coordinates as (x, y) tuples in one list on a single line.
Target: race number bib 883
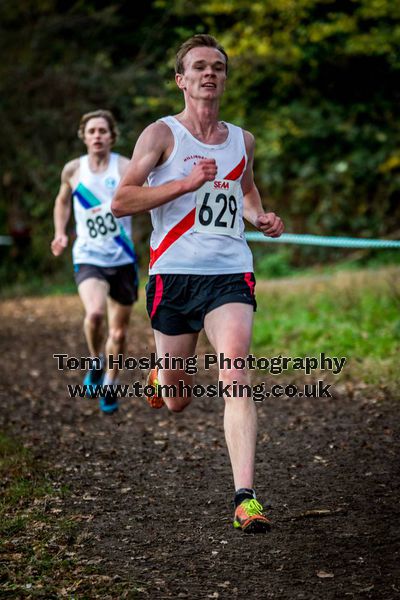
[(100, 224), (217, 208)]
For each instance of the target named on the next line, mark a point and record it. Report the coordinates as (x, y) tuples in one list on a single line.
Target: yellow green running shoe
[(249, 517)]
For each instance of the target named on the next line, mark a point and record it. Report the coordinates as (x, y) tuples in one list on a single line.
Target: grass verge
[(39, 547), (351, 314)]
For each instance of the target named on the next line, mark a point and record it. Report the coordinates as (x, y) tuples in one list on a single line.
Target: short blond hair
[(196, 41), (96, 114)]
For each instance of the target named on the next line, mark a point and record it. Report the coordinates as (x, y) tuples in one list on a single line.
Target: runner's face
[(97, 138), (205, 73)]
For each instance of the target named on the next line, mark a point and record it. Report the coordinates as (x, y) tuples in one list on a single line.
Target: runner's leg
[(93, 293), (118, 322), (229, 329), (181, 346)]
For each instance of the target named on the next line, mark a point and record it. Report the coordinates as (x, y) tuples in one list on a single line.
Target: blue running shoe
[(108, 403), (93, 378)]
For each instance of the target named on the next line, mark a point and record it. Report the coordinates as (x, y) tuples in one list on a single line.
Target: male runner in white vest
[(200, 177), (104, 258)]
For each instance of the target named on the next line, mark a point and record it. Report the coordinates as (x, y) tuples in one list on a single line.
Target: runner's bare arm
[(62, 209), (123, 164), (153, 148), (267, 222)]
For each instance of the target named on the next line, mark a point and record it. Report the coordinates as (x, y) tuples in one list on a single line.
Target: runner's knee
[(117, 335), (95, 317), (176, 405), (229, 375)]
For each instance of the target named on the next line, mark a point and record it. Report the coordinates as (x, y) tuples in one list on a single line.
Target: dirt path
[(153, 491)]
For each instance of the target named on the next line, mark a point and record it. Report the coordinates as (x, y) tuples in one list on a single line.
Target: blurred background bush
[(316, 81)]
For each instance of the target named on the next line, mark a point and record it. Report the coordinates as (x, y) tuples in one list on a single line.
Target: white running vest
[(102, 239), (201, 232)]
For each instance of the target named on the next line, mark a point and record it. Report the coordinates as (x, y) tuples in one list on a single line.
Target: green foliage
[(316, 81), (273, 265)]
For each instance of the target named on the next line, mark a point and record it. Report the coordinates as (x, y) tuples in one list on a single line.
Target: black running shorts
[(123, 280), (178, 304)]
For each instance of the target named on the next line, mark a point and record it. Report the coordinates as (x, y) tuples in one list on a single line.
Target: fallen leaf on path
[(324, 575)]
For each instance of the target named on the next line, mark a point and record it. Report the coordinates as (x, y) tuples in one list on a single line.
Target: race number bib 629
[(100, 224), (217, 208)]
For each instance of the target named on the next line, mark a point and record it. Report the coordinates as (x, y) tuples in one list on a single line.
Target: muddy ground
[(152, 491)]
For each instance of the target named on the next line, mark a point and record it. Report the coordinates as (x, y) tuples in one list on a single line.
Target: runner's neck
[(98, 163), (202, 122)]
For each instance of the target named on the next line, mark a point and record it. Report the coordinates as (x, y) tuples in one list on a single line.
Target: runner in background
[(200, 175), (104, 258)]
